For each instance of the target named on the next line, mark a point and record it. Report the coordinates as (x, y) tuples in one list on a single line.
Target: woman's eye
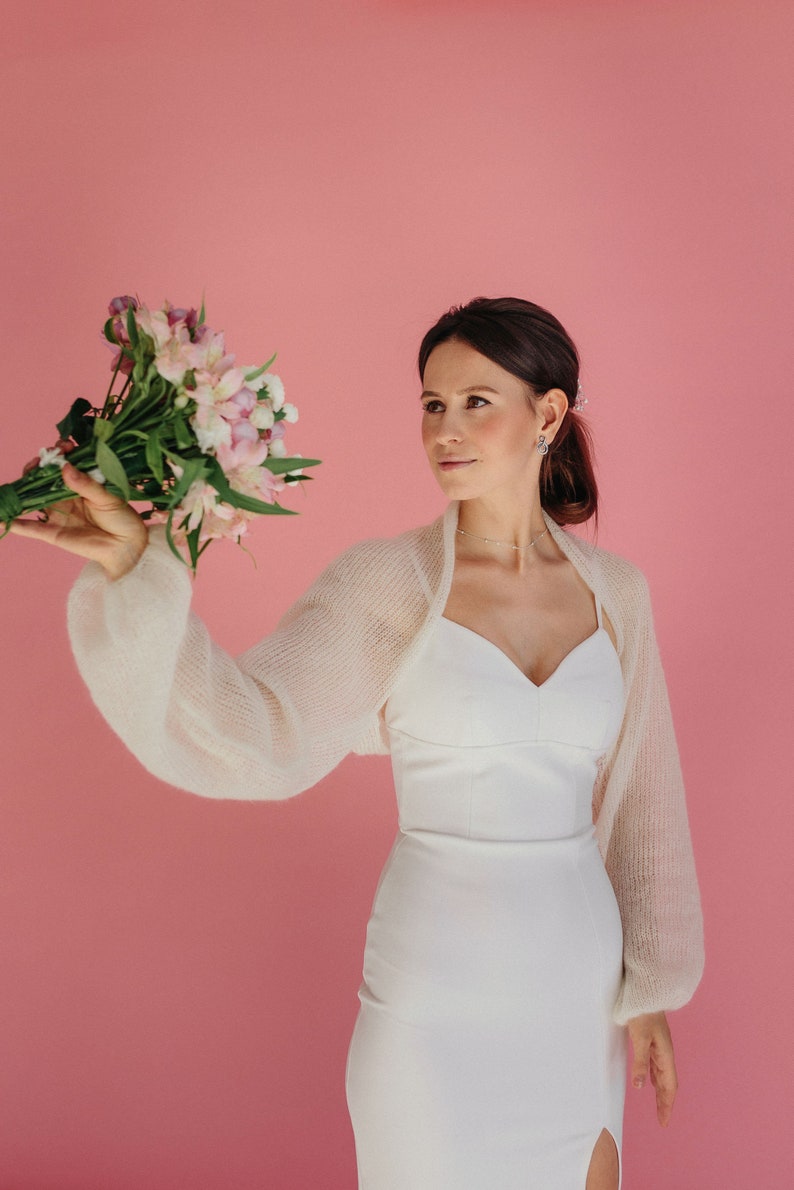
[(482, 401), (432, 406)]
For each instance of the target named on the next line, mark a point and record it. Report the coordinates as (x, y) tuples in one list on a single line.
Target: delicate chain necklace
[(509, 544)]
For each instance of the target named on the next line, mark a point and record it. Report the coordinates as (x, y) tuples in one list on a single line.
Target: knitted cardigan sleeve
[(272, 722), (648, 848)]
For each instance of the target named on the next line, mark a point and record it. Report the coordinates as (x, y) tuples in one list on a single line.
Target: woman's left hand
[(653, 1056)]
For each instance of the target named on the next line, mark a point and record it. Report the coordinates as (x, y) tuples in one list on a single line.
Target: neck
[(508, 528)]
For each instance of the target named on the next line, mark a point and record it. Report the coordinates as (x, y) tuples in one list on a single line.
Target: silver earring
[(543, 446)]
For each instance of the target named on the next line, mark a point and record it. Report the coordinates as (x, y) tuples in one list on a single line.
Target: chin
[(456, 487)]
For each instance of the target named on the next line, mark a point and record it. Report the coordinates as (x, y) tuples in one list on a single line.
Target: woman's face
[(479, 427)]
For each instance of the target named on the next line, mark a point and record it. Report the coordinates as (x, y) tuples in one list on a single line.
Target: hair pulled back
[(530, 343)]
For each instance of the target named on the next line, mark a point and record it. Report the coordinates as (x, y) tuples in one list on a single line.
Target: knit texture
[(274, 721)]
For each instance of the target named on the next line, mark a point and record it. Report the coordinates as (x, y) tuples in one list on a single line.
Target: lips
[(453, 464)]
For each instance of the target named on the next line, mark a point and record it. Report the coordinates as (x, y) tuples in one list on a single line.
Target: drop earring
[(543, 446)]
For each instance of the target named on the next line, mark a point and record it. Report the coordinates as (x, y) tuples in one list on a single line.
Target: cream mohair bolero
[(275, 720)]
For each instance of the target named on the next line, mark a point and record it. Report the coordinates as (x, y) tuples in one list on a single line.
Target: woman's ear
[(552, 407)]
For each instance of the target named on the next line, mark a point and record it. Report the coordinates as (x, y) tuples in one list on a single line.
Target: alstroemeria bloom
[(243, 431), (212, 389), (208, 351), (257, 482), (200, 499), (154, 323), (173, 359), (242, 455), (244, 400), (210, 428)]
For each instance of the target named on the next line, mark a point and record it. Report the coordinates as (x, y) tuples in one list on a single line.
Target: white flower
[(275, 388), (211, 429), (261, 416), (50, 455), (181, 401), (97, 476), (277, 449), (290, 413)]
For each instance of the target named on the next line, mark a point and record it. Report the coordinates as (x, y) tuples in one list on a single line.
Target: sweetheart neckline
[(518, 669)]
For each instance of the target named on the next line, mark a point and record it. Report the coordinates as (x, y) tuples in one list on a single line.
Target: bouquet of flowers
[(197, 439)]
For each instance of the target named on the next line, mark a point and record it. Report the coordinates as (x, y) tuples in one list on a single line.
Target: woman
[(512, 672)]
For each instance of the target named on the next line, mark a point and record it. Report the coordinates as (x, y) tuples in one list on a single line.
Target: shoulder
[(384, 564), (625, 580)]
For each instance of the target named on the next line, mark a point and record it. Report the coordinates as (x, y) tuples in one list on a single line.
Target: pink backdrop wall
[(179, 976)]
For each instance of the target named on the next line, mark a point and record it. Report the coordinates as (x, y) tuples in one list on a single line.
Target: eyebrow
[(463, 392)]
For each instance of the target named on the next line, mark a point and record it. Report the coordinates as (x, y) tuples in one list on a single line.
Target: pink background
[(179, 976)]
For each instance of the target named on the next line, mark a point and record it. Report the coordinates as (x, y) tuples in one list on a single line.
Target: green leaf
[(103, 429), (108, 332), (230, 495), (132, 327), (110, 466), (202, 313), (262, 370), (171, 543), (75, 424), (281, 466), (192, 540), (154, 456), (251, 504), (10, 503), (192, 469), (184, 437)]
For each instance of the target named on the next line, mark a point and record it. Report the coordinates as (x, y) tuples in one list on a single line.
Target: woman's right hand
[(95, 525)]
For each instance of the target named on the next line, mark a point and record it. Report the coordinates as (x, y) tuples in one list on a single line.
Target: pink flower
[(172, 360), (216, 389), (155, 325), (209, 352), (243, 431), (241, 455), (245, 401), (200, 498)]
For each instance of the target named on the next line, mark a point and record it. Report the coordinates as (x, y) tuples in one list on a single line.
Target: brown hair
[(530, 343)]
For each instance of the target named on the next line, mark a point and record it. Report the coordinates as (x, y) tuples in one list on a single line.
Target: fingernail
[(639, 1081)]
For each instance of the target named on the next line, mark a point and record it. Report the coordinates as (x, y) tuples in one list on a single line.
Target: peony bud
[(120, 305)]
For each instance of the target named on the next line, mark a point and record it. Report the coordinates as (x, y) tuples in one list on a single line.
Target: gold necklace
[(510, 546)]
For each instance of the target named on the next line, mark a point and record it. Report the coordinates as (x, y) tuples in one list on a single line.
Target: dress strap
[(599, 613)]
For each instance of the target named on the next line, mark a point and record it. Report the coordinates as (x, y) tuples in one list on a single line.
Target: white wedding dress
[(484, 1056)]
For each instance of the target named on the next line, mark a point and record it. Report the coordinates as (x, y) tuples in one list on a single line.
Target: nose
[(449, 428)]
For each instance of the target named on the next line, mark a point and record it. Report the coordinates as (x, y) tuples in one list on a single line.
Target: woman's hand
[(653, 1055), (95, 525)]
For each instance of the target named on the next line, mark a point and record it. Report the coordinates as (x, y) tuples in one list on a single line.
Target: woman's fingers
[(653, 1058), (640, 1066), (95, 524), (664, 1079)]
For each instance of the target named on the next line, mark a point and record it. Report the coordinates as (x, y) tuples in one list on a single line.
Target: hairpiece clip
[(580, 400)]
